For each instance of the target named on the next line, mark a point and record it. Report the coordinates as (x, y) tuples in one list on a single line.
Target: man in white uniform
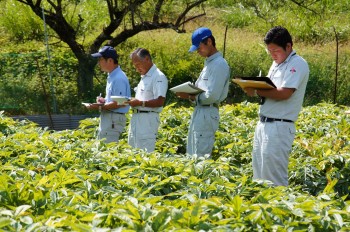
[(148, 101), (214, 80), (112, 118), (275, 131)]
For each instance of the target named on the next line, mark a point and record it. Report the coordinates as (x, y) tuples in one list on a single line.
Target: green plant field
[(68, 181)]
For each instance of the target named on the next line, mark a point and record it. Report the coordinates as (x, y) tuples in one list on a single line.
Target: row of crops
[(69, 181)]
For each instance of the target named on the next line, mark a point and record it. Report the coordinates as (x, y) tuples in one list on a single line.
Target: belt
[(136, 111), (211, 105), (266, 119), (112, 112)]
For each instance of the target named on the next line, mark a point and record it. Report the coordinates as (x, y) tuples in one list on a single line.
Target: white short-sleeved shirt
[(292, 73), (152, 85)]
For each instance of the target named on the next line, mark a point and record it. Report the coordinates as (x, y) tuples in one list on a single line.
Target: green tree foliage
[(122, 20), (20, 25), (308, 20)]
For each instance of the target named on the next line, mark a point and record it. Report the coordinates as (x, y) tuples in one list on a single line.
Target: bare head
[(142, 60)]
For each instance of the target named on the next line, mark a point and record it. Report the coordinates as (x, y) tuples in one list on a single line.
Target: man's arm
[(276, 94), (111, 106), (159, 102), (183, 95), (218, 77), (108, 106)]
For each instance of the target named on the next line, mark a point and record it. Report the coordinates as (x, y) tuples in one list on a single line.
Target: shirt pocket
[(147, 91), (203, 83)]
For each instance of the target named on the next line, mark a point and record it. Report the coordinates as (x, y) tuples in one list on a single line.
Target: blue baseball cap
[(106, 52), (198, 36)]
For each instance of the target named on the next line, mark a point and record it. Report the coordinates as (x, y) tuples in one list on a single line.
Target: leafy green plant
[(68, 180)]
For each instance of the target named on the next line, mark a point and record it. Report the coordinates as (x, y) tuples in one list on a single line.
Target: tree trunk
[(86, 71)]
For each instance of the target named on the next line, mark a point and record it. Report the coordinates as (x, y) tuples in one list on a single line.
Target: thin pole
[(46, 96), (336, 66), (50, 70), (225, 41)]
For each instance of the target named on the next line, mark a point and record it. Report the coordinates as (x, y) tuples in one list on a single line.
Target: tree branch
[(302, 5), (188, 8), (145, 26), (157, 11), (190, 19)]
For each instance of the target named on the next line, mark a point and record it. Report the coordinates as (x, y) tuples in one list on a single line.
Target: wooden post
[(224, 49), (336, 66), (46, 96)]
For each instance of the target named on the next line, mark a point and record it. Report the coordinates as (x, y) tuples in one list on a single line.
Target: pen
[(99, 98)]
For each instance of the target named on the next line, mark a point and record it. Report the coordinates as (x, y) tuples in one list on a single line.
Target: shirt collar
[(150, 71), (212, 57), (114, 71), (286, 60), (290, 56)]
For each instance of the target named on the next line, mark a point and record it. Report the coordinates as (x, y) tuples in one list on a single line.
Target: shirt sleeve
[(296, 71), (216, 77), (160, 86)]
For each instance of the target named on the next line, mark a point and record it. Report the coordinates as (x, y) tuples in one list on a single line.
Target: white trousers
[(272, 145), (201, 132), (111, 126), (143, 130)]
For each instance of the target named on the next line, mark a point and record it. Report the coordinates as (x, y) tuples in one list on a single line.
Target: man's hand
[(134, 102), (100, 99), (92, 106), (251, 92), (185, 96)]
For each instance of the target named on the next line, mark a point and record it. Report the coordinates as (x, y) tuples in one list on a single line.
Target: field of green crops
[(69, 181)]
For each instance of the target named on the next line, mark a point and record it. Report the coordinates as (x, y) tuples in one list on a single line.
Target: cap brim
[(193, 48), (96, 55)]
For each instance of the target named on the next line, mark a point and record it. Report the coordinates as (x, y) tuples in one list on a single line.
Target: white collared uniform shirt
[(292, 73), (151, 86), (214, 80)]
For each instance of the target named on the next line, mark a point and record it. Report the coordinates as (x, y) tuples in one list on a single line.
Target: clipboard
[(187, 87), (120, 99), (86, 104), (254, 82)]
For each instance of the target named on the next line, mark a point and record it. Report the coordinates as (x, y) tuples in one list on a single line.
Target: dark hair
[(115, 60), (279, 36), (141, 53), (205, 41)]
